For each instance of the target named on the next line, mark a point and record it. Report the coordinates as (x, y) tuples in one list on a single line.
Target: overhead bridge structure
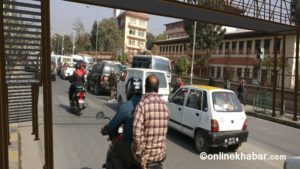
[(25, 35)]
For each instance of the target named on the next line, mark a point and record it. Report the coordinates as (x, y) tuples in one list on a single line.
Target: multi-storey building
[(134, 26), (238, 56)]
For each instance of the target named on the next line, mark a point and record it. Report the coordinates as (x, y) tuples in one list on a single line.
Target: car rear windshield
[(161, 77), (226, 102), (117, 68)]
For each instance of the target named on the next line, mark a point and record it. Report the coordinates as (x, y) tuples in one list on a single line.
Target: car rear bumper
[(227, 137)]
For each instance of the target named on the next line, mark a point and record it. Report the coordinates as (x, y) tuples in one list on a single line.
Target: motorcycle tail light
[(81, 95)]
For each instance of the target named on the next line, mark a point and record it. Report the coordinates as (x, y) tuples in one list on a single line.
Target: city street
[(78, 143)]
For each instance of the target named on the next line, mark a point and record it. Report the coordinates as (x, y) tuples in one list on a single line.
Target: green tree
[(150, 39), (123, 59), (181, 66), (56, 44), (83, 43), (208, 36), (109, 35), (160, 37), (295, 11)]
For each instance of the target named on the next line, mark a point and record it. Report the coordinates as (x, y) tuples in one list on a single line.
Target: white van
[(142, 74), (211, 116), (86, 58), (153, 62)]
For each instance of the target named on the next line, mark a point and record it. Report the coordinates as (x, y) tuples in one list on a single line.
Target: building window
[(257, 46), (241, 47), (180, 48), (227, 47), (141, 33), (142, 22), (132, 20), (131, 42), (173, 49), (267, 46), (249, 46), (247, 73), (140, 44), (233, 47), (218, 72), (278, 44), (131, 31), (160, 49), (225, 72), (221, 48), (239, 73), (177, 49)]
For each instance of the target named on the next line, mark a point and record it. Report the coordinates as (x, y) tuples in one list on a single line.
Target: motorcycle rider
[(77, 79), (120, 155)]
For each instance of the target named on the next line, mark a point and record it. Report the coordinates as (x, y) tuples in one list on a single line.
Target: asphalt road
[(78, 143)]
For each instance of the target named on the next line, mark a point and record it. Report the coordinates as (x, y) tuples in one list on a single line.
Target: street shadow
[(188, 143), (85, 168), (112, 105), (67, 108), (181, 140)]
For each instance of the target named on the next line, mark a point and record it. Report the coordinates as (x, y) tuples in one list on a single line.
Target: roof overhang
[(185, 11)]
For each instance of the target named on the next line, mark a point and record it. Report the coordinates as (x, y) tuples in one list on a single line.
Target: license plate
[(232, 140), (81, 101)]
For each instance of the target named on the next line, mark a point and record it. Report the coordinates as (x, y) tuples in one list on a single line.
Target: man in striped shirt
[(150, 126)]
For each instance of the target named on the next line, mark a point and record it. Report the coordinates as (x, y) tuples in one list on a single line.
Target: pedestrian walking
[(150, 126), (241, 90), (112, 84), (226, 84)]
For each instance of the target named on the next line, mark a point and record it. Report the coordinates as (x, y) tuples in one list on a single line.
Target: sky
[(64, 14)]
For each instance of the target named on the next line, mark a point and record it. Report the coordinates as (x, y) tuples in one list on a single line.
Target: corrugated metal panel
[(22, 32), (19, 103)]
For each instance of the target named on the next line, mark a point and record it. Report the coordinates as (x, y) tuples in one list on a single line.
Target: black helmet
[(133, 87), (80, 65)]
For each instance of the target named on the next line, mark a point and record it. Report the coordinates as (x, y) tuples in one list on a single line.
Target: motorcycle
[(78, 100), (119, 138)]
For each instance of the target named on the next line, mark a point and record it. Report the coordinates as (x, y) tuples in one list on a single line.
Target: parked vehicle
[(67, 70), (86, 58), (78, 100), (211, 116), (53, 67), (142, 74), (62, 59), (97, 78), (153, 62)]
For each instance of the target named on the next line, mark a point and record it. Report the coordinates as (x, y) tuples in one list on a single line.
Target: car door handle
[(197, 114), (179, 109)]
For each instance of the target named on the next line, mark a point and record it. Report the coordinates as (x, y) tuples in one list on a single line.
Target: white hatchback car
[(211, 116), (142, 74)]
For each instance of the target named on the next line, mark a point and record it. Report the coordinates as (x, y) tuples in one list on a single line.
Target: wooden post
[(3, 100), (282, 75), (274, 76), (296, 77), (35, 122), (46, 78)]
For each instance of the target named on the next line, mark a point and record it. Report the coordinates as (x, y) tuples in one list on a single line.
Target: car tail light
[(214, 126), (245, 126)]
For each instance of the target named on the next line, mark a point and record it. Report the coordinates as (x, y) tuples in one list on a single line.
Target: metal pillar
[(3, 102), (47, 92), (274, 76), (296, 76), (282, 75)]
